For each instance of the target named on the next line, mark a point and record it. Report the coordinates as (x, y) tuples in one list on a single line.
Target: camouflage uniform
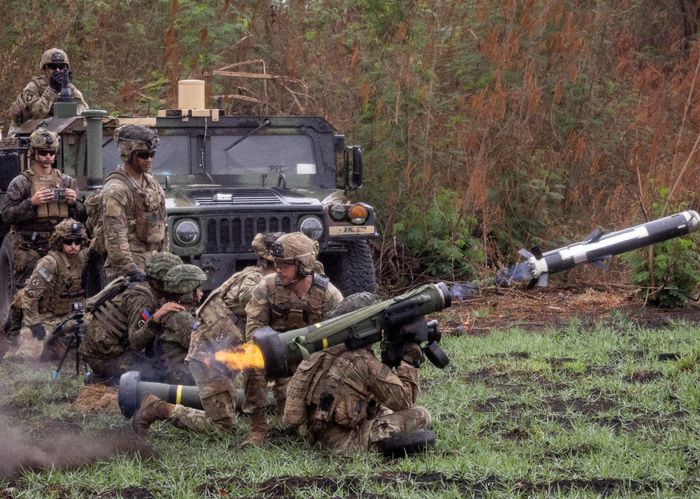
[(349, 399), (223, 320), (118, 331), (32, 225), (272, 304), (38, 96), (170, 346), (133, 215), (54, 286)]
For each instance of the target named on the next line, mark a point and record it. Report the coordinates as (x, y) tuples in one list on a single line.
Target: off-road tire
[(7, 282), (353, 271)]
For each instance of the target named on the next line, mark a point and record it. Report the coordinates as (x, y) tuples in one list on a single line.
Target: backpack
[(93, 210)]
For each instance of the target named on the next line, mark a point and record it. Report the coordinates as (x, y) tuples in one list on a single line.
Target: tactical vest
[(57, 210), (320, 395), (148, 206), (291, 312), (67, 283), (108, 312)]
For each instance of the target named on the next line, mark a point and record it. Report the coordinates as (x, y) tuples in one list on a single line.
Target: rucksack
[(93, 210)]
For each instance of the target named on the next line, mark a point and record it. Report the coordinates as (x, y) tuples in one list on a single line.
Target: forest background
[(486, 126)]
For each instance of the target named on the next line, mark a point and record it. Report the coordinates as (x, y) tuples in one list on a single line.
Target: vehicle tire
[(7, 282), (352, 271)]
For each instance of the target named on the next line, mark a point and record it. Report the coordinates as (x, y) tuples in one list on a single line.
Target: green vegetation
[(586, 412)]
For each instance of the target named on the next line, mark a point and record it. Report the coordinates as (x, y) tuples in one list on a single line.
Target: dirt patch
[(97, 398), (538, 309)]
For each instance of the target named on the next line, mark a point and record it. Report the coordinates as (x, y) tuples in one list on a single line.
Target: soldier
[(133, 205), (51, 292), (350, 400), (222, 322), (182, 285), (38, 96), (294, 296), (38, 199), (123, 319)]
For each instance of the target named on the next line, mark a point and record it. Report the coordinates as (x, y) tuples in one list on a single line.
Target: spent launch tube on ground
[(282, 351)]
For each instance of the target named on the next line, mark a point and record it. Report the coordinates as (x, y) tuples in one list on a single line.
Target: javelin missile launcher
[(598, 246), (395, 323)]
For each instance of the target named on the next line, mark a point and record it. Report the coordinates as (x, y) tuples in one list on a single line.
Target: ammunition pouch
[(38, 331)]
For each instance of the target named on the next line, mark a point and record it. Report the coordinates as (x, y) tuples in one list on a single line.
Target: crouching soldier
[(123, 319), (52, 293), (349, 400), (182, 290), (221, 325)]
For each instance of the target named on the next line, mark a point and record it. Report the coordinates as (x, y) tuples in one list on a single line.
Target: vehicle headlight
[(186, 232), (358, 214), (337, 212), (312, 227)]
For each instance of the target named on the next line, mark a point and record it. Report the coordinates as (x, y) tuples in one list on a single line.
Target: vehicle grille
[(227, 234), (242, 198)]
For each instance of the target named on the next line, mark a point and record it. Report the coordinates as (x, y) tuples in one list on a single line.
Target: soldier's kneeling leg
[(218, 398)]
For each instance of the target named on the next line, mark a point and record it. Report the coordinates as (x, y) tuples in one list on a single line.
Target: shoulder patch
[(44, 273)]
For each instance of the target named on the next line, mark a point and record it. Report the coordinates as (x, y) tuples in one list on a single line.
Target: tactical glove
[(137, 276), (56, 81), (38, 331), (413, 354)]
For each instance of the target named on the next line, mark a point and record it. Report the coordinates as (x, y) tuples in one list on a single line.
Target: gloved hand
[(413, 355), (56, 80), (136, 276), (38, 331)]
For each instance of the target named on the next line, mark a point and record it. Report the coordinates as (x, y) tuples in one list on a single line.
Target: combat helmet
[(53, 56), (131, 138), (158, 265), (298, 248), (68, 229), (41, 138), (262, 243), (183, 279)]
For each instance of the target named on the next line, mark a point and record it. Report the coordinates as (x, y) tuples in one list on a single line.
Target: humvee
[(226, 178)]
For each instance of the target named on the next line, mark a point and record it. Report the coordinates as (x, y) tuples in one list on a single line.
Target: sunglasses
[(58, 66), (46, 152), (72, 242), (145, 154)]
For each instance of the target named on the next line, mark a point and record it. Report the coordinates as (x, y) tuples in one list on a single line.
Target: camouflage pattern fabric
[(111, 352), (353, 400), (46, 300), (133, 223), (272, 304), (31, 234), (169, 348), (131, 138), (35, 101)]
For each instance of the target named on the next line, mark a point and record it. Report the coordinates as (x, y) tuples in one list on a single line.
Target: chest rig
[(67, 285), (148, 205), (57, 209), (290, 311)]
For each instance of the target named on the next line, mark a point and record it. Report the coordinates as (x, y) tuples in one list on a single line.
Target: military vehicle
[(226, 178)]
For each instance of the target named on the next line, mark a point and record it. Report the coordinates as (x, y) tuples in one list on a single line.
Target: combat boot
[(258, 430), (152, 409)]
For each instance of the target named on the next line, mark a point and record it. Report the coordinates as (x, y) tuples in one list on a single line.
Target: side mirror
[(352, 164)]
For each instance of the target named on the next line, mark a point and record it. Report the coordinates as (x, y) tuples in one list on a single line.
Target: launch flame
[(246, 356)]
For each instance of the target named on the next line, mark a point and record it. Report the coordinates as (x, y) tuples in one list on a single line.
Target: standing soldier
[(51, 292), (37, 199), (38, 96), (133, 205), (349, 400), (295, 296), (123, 319), (222, 325)]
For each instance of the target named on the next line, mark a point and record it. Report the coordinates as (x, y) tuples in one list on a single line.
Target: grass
[(578, 412)]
